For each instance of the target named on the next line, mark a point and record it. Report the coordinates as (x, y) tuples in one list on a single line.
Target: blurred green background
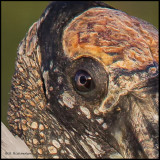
[(17, 17)]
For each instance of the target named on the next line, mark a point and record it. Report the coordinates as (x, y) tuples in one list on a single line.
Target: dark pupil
[(83, 81)]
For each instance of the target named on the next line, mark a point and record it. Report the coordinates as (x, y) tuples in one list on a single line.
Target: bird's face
[(95, 86)]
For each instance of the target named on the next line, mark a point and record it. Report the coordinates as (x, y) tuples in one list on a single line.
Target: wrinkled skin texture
[(118, 118)]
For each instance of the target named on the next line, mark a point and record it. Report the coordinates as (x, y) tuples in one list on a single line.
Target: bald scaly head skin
[(86, 84)]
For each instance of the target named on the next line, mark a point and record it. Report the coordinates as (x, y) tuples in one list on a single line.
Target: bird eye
[(83, 81), (87, 78)]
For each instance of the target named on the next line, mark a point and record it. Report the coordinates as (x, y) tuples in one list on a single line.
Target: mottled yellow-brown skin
[(113, 37), (119, 117)]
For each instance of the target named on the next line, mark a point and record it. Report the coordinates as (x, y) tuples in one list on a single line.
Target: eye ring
[(83, 81), (90, 86)]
